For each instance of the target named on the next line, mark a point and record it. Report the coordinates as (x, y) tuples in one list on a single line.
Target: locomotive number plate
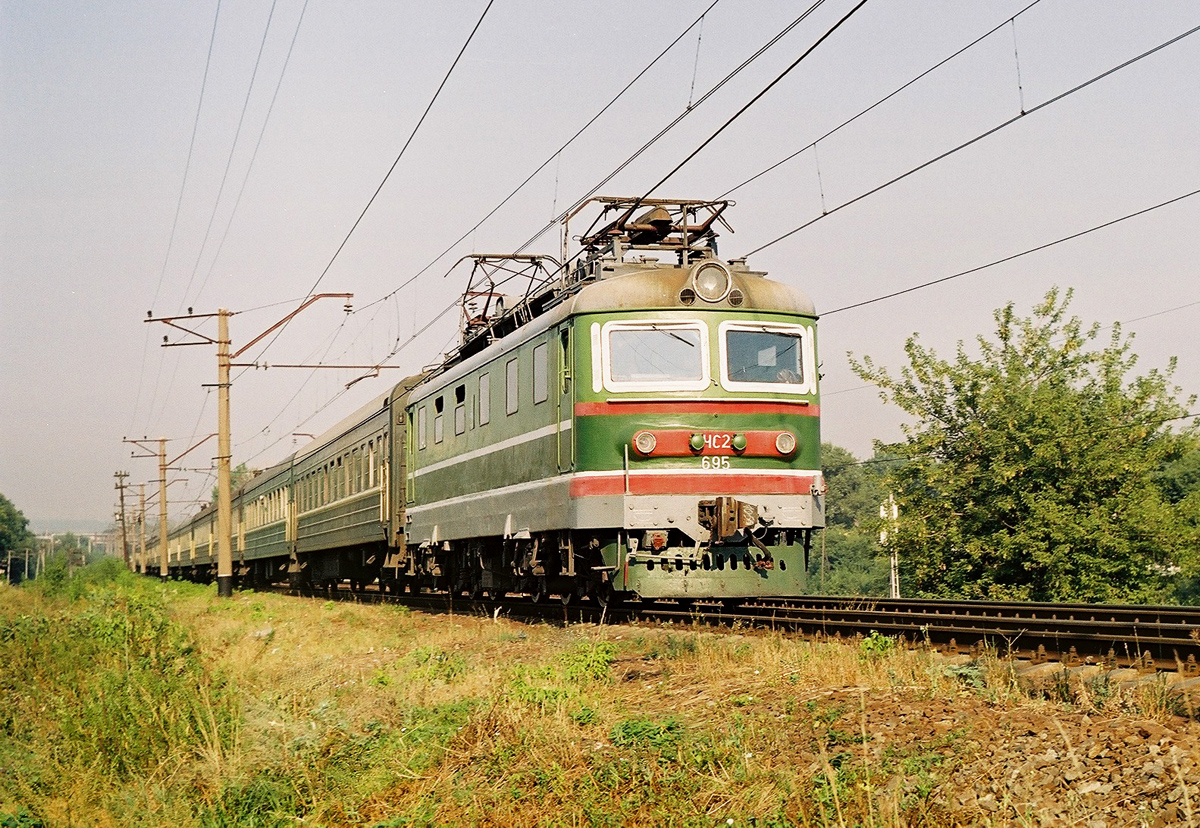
[(717, 440)]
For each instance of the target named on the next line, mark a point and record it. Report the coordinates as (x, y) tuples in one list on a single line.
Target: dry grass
[(321, 713)]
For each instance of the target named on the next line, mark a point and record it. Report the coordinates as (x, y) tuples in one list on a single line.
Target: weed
[(264, 801), (875, 646), (21, 819), (662, 736), (434, 664), (589, 662), (970, 675), (538, 687), (585, 716)]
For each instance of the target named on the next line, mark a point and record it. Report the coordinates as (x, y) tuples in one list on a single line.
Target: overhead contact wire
[(253, 155), (232, 150), (545, 163), (756, 98), (386, 176), (879, 102), (978, 138), (1081, 233), (175, 223)]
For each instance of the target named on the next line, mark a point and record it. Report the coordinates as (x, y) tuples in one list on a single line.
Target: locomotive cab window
[(655, 356), (767, 357)]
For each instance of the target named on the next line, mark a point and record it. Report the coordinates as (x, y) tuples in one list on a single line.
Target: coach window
[(510, 387), (421, 427), (539, 373), (460, 409), (438, 405), (485, 399)]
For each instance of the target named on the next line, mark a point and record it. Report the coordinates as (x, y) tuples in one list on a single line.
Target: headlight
[(645, 442), (785, 443), (711, 281)]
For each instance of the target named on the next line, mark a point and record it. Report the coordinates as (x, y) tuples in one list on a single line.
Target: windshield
[(764, 356), (655, 354)]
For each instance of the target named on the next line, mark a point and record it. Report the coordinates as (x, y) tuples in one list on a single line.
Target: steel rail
[(1111, 636)]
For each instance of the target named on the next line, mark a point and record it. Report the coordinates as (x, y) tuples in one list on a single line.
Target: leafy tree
[(847, 556), (14, 527), (1040, 468)]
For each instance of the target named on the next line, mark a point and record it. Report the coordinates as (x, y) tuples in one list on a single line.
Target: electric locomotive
[(642, 422)]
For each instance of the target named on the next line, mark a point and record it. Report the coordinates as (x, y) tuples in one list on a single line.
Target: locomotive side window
[(659, 356), (460, 409), (438, 405), (540, 380), (485, 399), (510, 387), (767, 357)]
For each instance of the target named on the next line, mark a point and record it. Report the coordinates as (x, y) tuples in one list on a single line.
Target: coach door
[(565, 406)]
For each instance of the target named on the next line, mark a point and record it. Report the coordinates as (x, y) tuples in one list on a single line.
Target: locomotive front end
[(697, 429)]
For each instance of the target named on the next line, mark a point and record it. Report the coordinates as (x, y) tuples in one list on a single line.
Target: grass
[(129, 702)]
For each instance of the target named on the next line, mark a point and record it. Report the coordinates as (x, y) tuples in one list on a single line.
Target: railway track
[(1105, 636)]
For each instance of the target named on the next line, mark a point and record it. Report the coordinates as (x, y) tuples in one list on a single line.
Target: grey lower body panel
[(546, 505)]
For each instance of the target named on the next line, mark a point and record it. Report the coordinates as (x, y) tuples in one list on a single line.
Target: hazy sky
[(98, 224)]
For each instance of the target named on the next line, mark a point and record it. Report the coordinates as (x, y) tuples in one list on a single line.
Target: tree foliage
[(847, 559), (14, 527), (1041, 468)]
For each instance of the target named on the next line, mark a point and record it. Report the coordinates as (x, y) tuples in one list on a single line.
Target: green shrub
[(589, 662), (662, 736)]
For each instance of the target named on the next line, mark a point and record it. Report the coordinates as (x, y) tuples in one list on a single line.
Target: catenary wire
[(544, 164), (386, 176), (879, 102), (977, 138), (253, 155), (187, 165), (755, 99), (229, 161), (1010, 258), (220, 190)]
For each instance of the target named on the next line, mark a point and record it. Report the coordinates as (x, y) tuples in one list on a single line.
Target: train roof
[(654, 285)]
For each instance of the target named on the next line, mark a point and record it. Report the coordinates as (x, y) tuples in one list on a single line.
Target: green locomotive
[(626, 426)]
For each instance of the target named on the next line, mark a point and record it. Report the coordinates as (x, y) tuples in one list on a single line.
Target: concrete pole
[(162, 508), (224, 489), (124, 535), (141, 561)]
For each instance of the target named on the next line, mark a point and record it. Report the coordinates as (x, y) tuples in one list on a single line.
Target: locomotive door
[(564, 404)]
